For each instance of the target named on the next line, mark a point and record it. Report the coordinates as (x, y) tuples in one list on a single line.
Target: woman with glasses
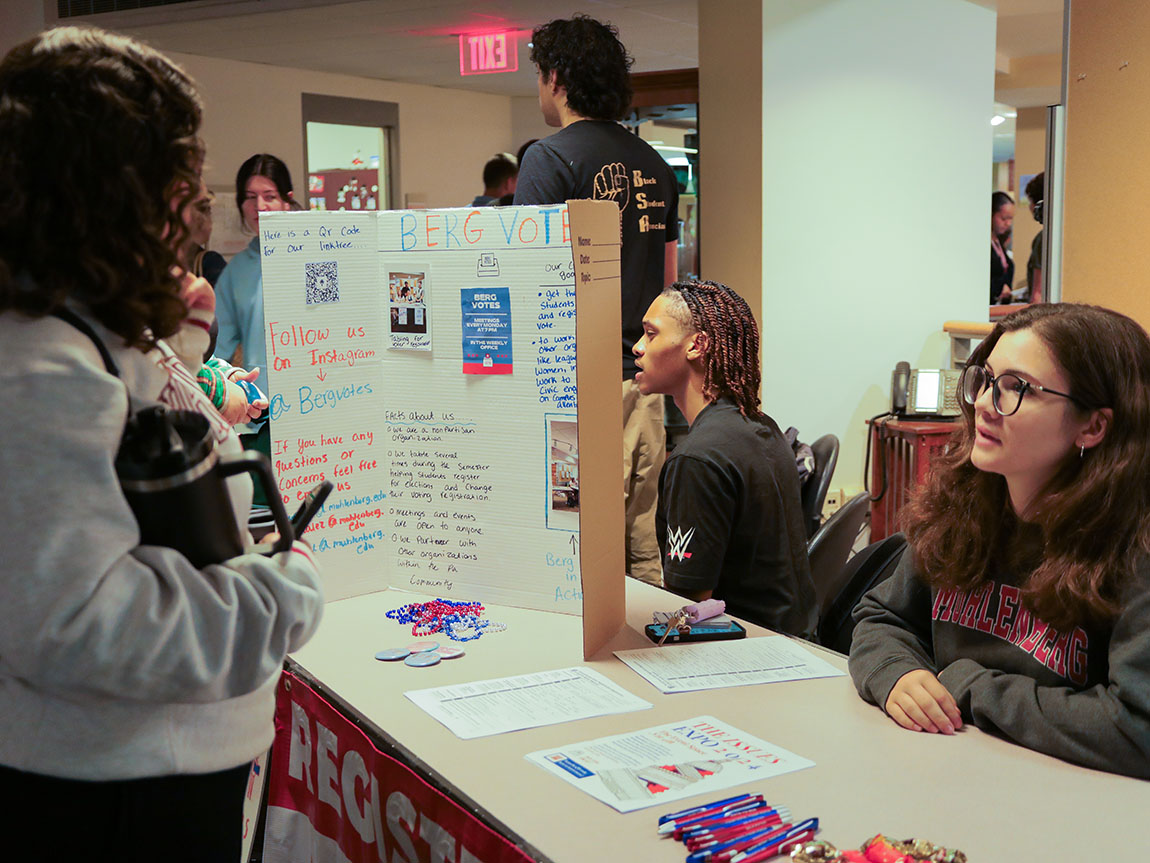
[(1023, 603)]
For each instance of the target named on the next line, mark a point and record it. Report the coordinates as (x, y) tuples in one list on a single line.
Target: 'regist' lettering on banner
[(334, 797)]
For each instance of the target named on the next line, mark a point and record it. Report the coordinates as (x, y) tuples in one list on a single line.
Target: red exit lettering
[(484, 53)]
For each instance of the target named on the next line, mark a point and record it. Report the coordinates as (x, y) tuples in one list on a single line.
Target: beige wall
[(855, 279), (1034, 81), (1106, 258), (731, 146), (19, 20), (1029, 158), (251, 107), (527, 122)]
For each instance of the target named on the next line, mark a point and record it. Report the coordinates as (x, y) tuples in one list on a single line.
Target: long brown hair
[(1092, 518), (731, 361), (98, 137)]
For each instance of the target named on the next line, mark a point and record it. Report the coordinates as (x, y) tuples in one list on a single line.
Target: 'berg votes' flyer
[(667, 763)]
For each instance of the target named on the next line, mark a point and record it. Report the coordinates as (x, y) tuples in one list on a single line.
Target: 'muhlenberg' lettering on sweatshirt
[(1064, 653)]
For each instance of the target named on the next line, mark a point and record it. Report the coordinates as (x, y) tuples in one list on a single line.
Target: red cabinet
[(901, 450)]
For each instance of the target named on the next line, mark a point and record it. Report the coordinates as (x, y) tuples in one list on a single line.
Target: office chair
[(814, 495), (830, 547), (870, 567)]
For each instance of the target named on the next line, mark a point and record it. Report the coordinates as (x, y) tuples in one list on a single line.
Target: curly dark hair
[(732, 354), (1086, 527), (99, 158), (589, 61)]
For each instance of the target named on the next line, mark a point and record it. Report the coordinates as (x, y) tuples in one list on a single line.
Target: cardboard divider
[(596, 246)]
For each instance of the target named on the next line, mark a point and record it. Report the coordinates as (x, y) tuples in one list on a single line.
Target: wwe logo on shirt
[(678, 542)]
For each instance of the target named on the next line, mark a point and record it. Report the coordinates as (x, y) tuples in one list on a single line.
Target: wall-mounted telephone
[(926, 393)]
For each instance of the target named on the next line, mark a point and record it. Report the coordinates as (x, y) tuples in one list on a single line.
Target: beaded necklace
[(459, 621)]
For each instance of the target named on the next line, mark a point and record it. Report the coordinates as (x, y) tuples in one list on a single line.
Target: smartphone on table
[(706, 630)]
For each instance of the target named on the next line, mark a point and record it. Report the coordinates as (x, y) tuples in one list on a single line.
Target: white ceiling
[(416, 41)]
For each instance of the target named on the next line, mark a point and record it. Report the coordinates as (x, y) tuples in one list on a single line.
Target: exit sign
[(484, 53)]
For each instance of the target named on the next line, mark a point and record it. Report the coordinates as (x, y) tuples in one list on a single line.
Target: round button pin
[(451, 652), (419, 660), (422, 646), (392, 654)]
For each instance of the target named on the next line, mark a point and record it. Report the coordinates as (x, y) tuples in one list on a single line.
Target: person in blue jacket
[(263, 184)]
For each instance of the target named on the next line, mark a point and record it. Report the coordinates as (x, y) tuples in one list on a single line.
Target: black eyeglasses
[(1007, 390)]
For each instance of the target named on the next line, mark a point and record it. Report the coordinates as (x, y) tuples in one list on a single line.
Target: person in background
[(1001, 263), (228, 387), (508, 199), (730, 517), (1022, 605), (523, 150), (585, 89), (135, 688), (202, 261), (499, 177), (1036, 194), (263, 184)]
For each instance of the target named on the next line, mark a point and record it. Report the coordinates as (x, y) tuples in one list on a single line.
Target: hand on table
[(920, 702)]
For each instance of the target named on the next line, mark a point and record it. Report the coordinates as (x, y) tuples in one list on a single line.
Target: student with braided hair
[(729, 519)]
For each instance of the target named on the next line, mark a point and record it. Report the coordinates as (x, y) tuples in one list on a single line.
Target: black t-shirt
[(603, 161), (730, 520)]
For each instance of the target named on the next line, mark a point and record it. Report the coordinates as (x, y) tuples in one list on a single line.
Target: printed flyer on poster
[(667, 763)]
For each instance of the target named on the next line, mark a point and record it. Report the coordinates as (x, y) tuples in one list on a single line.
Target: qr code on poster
[(322, 283)]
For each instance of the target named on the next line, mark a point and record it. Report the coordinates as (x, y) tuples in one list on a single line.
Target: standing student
[(1022, 604), (135, 688), (1036, 193), (730, 519), (585, 89), (195, 340), (263, 184), (1001, 263)]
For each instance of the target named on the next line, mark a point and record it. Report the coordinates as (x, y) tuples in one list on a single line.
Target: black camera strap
[(70, 317)]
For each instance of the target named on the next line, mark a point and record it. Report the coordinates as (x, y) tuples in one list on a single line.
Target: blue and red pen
[(769, 847), (716, 804), (740, 821), (721, 833), (701, 823), (668, 823), (740, 829)]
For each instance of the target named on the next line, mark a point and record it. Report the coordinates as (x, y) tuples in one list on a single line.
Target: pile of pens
[(742, 829)]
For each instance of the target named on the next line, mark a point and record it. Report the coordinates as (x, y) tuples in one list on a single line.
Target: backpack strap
[(70, 317)]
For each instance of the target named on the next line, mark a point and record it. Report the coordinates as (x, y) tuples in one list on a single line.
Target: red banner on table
[(332, 796)]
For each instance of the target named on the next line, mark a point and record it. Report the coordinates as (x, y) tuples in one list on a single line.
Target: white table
[(994, 800)]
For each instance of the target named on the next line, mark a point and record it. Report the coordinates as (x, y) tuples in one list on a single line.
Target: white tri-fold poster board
[(455, 374)]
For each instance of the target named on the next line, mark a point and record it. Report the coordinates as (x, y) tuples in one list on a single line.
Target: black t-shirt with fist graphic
[(603, 161)]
